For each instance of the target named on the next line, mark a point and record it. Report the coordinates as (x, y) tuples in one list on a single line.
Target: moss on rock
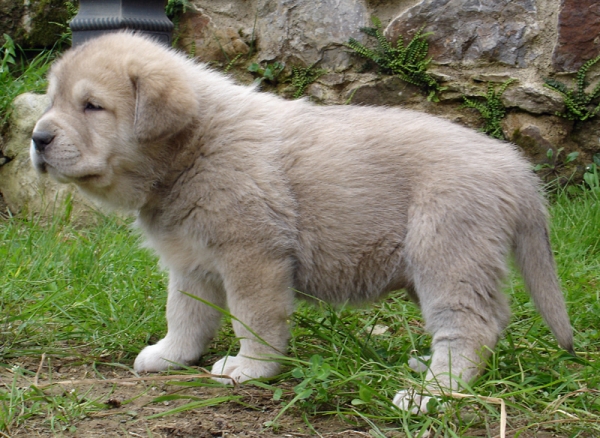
[(37, 25)]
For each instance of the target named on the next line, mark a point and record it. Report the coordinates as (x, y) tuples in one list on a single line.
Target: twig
[(127, 380), (495, 400), (39, 370)]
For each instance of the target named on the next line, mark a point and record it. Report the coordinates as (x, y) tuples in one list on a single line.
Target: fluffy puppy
[(247, 197)]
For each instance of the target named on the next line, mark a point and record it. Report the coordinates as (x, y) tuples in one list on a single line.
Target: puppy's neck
[(174, 157)]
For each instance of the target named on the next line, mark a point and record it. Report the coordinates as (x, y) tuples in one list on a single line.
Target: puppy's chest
[(182, 253)]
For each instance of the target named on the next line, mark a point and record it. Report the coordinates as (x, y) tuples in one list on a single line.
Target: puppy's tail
[(535, 260)]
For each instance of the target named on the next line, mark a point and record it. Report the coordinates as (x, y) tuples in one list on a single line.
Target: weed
[(232, 62), (175, 8), (591, 177), (409, 62), (303, 77), (550, 170), (492, 109), (67, 33), (270, 73), (580, 105)]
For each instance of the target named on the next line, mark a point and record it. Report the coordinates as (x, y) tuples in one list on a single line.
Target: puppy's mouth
[(65, 178), (40, 166), (87, 179)]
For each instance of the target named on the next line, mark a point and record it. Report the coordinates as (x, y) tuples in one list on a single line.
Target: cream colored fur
[(247, 197)]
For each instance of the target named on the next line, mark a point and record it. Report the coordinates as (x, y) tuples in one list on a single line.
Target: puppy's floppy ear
[(165, 101)]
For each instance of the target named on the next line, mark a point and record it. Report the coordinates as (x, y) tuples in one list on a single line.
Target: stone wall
[(472, 43)]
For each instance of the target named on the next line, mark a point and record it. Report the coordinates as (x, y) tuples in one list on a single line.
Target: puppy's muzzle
[(41, 139)]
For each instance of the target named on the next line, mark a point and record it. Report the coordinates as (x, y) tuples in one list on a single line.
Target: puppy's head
[(116, 102)]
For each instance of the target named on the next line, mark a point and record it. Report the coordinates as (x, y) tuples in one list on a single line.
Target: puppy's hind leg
[(465, 328), (191, 323), (463, 308)]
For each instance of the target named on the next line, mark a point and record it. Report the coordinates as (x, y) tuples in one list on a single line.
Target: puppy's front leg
[(191, 324), (261, 302)]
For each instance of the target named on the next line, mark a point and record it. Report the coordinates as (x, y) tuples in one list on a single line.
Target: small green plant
[(550, 170), (175, 8), (314, 387), (409, 62), (269, 73), (591, 177), (232, 62), (580, 105), (303, 77), (492, 109), (8, 55), (67, 34)]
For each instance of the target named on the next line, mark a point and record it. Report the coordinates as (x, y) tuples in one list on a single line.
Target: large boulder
[(473, 32), (578, 30), (23, 189), (310, 31)]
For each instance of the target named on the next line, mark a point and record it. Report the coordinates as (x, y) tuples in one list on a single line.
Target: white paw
[(419, 363), (160, 357), (409, 400), (240, 369)]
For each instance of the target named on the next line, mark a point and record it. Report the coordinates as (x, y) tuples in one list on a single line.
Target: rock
[(535, 135), (27, 109), (199, 37), (472, 31), (533, 98), (587, 137), (578, 34), (389, 91), (301, 31), (297, 32), (25, 191)]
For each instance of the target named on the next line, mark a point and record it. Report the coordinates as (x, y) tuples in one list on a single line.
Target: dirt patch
[(119, 404)]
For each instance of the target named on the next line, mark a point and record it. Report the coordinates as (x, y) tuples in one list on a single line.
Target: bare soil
[(125, 402)]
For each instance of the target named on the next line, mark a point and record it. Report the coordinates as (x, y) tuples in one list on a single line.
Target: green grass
[(91, 292)]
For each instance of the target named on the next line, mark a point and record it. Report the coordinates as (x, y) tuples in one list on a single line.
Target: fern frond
[(303, 77), (556, 86), (407, 61), (579, 104), (491, 109)]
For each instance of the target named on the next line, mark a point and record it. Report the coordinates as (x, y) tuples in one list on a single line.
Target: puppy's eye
[(92, 107)]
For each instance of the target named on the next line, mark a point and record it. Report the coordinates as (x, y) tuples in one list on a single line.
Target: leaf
[(298, 373), (254, 67), (304, 394), (365, 393), (571, 157)]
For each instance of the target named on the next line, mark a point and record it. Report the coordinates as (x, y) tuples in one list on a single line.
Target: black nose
[(41, 139)]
